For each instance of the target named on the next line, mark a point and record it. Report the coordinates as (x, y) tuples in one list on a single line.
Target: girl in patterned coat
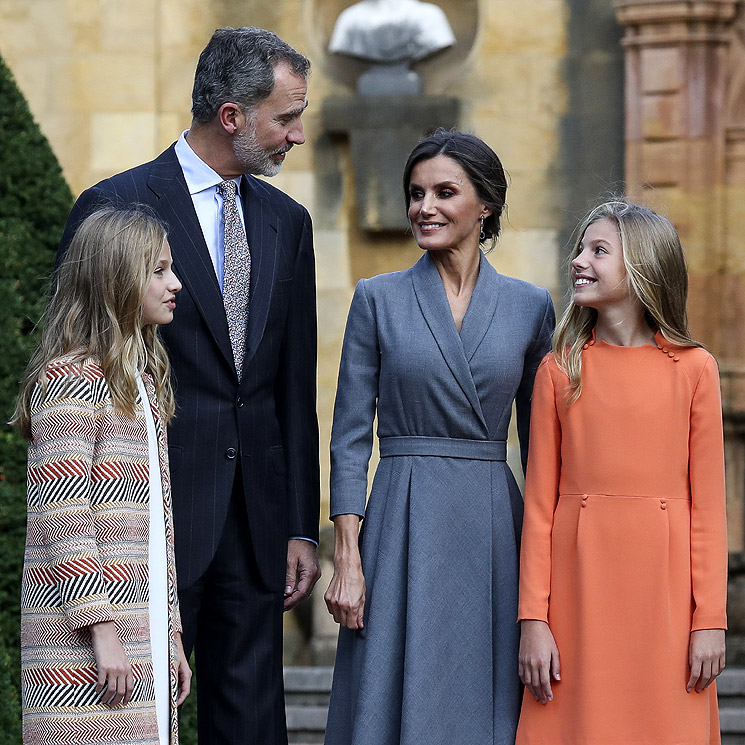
[(101, 653)]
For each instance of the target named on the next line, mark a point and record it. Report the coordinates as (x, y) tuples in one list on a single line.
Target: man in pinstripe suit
[(244, 445)]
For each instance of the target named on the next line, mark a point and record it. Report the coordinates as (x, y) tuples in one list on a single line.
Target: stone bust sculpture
[(386, 31)]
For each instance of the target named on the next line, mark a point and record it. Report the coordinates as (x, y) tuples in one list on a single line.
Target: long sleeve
[(354, 410), (64, 432), (541, 496), (296, 395), (540, 345), (708, 518)]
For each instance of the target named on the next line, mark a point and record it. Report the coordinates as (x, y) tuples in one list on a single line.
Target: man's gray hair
[(238, 65)]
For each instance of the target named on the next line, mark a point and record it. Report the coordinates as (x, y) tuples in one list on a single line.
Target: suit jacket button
[(239, 403), (230, 453)]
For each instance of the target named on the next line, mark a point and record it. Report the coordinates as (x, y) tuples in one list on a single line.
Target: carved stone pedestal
[(382, 131)]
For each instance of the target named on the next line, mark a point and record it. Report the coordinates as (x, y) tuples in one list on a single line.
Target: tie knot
[(228, 189)]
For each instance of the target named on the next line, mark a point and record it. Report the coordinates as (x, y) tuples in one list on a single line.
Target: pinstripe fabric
[(86, 560)]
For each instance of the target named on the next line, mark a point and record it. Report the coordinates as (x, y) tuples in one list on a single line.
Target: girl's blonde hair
[(96, 310), (655, 271)]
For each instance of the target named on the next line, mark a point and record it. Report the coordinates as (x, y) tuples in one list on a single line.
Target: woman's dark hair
[(477, 159)]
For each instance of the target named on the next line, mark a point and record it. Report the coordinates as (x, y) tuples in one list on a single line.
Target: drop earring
[(482, 234)]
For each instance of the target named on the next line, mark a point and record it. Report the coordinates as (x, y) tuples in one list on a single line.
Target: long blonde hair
[(655, 271), (96, 310)]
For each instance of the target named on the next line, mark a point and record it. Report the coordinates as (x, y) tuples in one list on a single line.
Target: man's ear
[(231, 117)]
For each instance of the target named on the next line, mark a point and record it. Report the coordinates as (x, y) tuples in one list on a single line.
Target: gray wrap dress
[(436, 662)]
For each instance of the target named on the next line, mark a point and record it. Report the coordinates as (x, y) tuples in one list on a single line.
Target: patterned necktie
[(236, 274)]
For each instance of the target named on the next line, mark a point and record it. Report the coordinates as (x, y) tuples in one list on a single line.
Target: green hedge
[(34, 204)]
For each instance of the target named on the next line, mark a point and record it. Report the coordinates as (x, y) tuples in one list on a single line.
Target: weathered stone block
[(528, 254), (662, 116), (662, 69), (663, 163), (332, 260), (121, 141)]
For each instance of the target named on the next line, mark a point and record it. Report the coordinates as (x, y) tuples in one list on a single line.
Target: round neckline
[(659, 342)]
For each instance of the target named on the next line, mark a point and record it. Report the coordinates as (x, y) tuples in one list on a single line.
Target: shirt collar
[(198, 175)]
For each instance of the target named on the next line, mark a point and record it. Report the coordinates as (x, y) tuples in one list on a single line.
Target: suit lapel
[(435, 308), (481, 309), (190, 254), (264, 242)]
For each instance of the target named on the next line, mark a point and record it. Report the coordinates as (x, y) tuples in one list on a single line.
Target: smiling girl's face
[(599, 277)]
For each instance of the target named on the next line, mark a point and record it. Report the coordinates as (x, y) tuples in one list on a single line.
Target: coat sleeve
[(538, 349), (708, 505), (295, 392), (64, 432), (354, 410), (541, 497)]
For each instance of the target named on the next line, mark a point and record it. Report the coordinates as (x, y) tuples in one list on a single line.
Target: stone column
[(685, 155), (676, 65)]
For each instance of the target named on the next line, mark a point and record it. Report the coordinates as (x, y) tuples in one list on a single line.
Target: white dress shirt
[(202, 183)]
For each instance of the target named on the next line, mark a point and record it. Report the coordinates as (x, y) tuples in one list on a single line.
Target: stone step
[(307, 694), (731, 685)]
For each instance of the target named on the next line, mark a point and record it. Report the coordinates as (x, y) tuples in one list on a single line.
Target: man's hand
[(303, 571)]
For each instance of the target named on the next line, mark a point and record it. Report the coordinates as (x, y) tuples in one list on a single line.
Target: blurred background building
[(580, 99)]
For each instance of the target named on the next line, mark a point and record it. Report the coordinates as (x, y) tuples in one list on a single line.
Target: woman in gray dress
[(427, 593)]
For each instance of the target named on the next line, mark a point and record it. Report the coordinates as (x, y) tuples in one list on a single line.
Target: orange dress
[(624, 544)]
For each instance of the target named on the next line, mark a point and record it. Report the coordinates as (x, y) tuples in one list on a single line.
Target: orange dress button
[(664, 349), (585, 346), (671, 354), (663, 505)]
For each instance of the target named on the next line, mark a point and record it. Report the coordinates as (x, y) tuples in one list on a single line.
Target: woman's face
[(160, 298), (445, 209)]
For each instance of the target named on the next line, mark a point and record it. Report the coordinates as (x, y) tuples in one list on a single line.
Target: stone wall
[(109, 82)]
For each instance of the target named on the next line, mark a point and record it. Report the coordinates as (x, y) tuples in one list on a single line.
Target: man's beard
[(252, 157)]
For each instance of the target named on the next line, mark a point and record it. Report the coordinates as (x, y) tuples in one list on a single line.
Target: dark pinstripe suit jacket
[(268, 421)]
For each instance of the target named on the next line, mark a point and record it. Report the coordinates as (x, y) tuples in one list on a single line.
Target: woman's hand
[(184, 672), (345, 597), (706, 658), (114, 669), (538, 659)]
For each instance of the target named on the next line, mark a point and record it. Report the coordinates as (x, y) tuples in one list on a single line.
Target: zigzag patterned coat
[(86, 560)]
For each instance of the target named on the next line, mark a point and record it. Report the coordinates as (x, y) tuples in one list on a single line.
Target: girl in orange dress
[(624, 558)]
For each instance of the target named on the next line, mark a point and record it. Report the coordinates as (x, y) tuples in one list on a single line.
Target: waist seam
[(581, 495)]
